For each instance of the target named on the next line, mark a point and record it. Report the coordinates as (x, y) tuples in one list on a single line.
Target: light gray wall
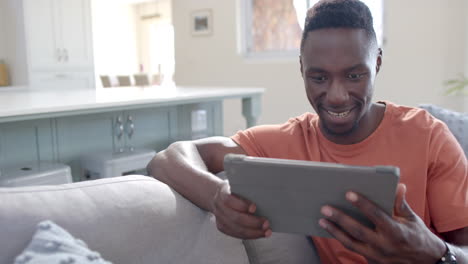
[(2, 30), (425, 46), (13, 48), (466, 41)]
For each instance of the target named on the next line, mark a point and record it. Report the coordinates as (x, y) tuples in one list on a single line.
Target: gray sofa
[(137, 219)]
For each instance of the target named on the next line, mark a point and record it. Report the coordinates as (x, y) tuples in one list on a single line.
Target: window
[(273, 28)]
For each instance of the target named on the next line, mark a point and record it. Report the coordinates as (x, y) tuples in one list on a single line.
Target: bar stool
[(105, 81), (124, 80), (39, 173), (106, 164), (141, 79)]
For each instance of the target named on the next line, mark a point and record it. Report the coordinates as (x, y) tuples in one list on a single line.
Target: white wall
[(425, 46), (114, 37), (13, 47)]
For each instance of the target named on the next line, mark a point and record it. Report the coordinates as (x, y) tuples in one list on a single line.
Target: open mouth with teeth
[(340, 114), (340, 120)]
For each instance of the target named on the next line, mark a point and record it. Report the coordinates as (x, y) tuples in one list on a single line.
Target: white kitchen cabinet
[(42, 46), (62, 80), (58, 35)]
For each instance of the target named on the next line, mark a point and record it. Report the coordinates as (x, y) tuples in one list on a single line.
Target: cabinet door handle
[(65, 55), (61, 76), (132, 130), (120, 131), (130, 126), (119, 127), (59, 55)]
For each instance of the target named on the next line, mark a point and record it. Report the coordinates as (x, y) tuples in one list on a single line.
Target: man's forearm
[(181, 167)]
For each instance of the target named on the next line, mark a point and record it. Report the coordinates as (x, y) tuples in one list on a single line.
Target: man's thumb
[(401, 207)]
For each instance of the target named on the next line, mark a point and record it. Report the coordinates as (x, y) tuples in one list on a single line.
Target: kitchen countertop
[(22, 103)]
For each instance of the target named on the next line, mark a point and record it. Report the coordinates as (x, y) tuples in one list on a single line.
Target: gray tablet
[(290, 193)]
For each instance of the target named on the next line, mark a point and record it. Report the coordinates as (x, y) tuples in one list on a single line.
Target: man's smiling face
[(339, 66)]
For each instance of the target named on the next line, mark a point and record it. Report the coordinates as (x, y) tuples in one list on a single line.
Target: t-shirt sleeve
[(290, 140), (255, 140), (447, 191)]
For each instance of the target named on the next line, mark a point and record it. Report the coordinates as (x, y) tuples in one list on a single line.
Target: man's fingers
[(399, 197), (246, 220), (346, 240), (401, 207), (239, 204), (375, 214), (224, 198), (242, 233), (349, 225), (252, 221), (242, 225), (234, 218)]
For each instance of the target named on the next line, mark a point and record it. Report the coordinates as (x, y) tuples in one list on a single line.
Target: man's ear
[(379, 60), (300, 62)]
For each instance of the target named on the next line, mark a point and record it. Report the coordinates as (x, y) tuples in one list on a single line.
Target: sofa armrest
[(130, 219)]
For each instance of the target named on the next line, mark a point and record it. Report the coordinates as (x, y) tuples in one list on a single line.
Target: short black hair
[(339, 14)]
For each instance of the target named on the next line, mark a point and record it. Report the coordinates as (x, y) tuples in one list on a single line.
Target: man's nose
[(337, 94)]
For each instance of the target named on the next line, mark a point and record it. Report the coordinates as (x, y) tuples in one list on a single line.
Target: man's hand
[(403, 238), (234, 216)]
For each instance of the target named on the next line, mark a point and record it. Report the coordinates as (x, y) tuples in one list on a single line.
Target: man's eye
[(355, 76), (319, 78)]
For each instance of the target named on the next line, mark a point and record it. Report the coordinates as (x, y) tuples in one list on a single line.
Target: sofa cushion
[(282, 248), (52, 244), (130, 219), (455, 121)]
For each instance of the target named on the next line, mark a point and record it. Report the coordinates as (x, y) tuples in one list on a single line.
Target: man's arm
[(189, 167)]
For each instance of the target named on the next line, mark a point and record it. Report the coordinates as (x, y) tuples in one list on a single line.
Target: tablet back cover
[(290, 193)]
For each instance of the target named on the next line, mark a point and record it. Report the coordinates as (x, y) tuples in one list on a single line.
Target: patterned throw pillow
[(51, 244), (456, 122)]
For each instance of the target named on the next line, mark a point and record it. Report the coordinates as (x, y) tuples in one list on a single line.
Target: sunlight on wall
[(156, 39), (133, 37), (114, 38)]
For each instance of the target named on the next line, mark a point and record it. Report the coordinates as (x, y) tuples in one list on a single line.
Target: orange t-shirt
[(432, 163)]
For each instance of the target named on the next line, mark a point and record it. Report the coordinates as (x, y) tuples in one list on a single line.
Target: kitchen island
[(59, 125)]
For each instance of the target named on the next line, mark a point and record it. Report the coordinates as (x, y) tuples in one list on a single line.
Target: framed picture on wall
[(201, 22)]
